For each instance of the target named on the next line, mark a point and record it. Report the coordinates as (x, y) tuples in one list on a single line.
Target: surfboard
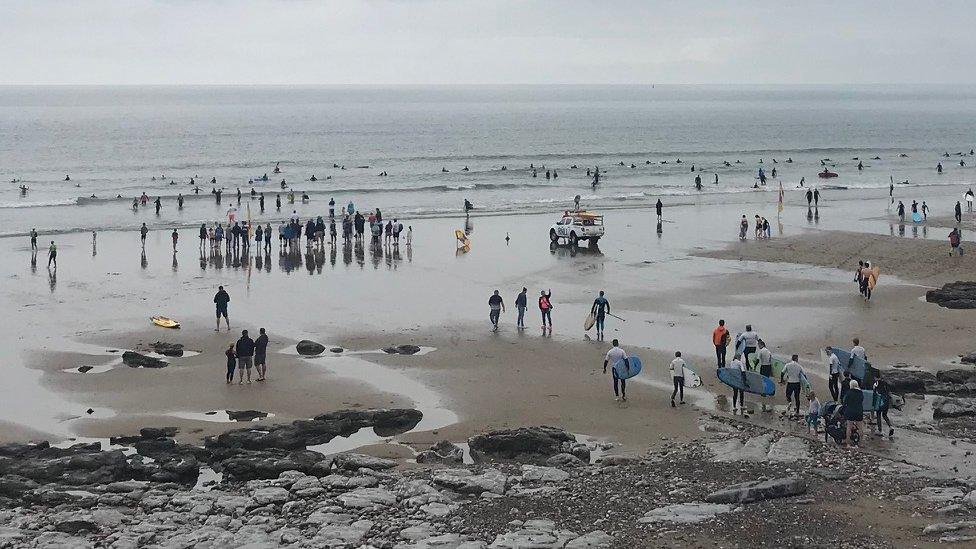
[(164, 322), (873, 277), (755, 383), (857, 368), (621, 369), (462, 238), (917, 217), (779, 364), (589, 321), (740, 344), (872, 402), (692, 379)]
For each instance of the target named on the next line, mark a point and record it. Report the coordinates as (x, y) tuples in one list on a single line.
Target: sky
[(433, 42)]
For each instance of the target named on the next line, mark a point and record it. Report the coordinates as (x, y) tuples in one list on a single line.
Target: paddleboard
[(917, 217), (621, 369), (692, 379), (164, 322), (755, 383), (589, 322), (858, 367)]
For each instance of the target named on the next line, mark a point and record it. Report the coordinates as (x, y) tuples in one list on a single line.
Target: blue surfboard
[(754, 382), (872, 401), (857, 367), (917, 217), (620, 368)]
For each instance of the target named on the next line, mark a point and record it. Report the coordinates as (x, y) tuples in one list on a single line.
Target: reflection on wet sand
[(312, 259)]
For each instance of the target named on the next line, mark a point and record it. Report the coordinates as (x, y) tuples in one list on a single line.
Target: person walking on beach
[(833, 374), (813, 413), (659, 207), (176, 237), (245, 357), (261, 355), (33, 240), (52, 255), (866, 274), (853, 410), (751, 340), (720, 338), (792, 375), (925, 211), (882, 391), (857, 351), (743, 227), (221, 299), (738, 395), (600, 310), (142, 234), (159, 205), (958, 212), (764, 359), (809, 197), (954, 241), (901, 210), (816, 197), (521, 302), (231, 362), (545, 306), (969, 200), (677, 369), (203, 235), (496, 305), (615, 355), (576, 201)]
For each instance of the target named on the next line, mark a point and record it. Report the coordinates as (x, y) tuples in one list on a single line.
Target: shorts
[(221, 312), (260, 360), (245, 362), (854, 417)]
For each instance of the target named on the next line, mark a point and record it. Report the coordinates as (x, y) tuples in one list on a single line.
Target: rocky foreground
[(740, 486)]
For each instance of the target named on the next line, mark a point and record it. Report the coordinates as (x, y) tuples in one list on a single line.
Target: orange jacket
[(718, 335)]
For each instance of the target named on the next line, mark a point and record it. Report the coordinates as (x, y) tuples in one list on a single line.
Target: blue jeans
[(521, 317)]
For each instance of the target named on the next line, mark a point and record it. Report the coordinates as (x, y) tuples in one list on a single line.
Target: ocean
[(125, 141)]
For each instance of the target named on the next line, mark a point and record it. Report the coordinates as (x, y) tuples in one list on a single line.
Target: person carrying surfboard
[(859, 352), (614, 355), (793, 375), (764, 359), (882, 391), (677, 368), (600, 310), (738, 395), (751, 340)]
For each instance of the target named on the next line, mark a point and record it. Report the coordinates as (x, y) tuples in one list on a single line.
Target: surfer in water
[(600, 310), (677, 368), (615, 355)]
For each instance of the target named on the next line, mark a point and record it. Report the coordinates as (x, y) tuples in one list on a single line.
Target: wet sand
[(671, 287)]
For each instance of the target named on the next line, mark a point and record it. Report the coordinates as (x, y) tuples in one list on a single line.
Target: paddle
[(617, 317)]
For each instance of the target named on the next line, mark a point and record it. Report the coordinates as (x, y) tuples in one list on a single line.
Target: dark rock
[(565, 460), (968, 358), (945, 407), (748, 492), (525, 441), (168, 349), (309, 348), (954, 295), (956, 375), (85, 369), (830, 474), (390, 350), (908, 381), (270, 464), (19, 450), (442, 452), (154, 447), (157, 432), (408, 349), (74, 526), (355, 462), (336, 350), (14, 486), (245, 415), (138, 360), (940, 388)]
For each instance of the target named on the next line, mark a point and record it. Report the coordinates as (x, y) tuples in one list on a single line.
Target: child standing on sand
[(813, 413), (231, 362)]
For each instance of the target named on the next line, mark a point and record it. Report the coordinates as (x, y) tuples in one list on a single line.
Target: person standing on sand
[(203, 235), (545, 306), (615, 355), (33, 238), (833, 371), (816, 197), (738, 395), (267, 238), (853, 410), (792, 375), (969, 200), (677, 369), (576, 201), (600, 310), (813, 413), (52, 255), (743, 227), (901, 211), (231, 362), (176, 237), (221, 298), (159, 205), (809, 197), (859, 352), (958, 212), (925, 211), (261, 355), (720, 338), (765, 363), (142, 234), (659, 207), (245, 357), (496, 305), (866, 274), (751, 340), (521, 302), (883, 391), (954, 241)]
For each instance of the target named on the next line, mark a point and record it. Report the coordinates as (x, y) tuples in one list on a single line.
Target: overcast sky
[(485, 42)]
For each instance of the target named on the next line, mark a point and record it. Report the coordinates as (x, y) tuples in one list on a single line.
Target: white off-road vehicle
[(576, 226)]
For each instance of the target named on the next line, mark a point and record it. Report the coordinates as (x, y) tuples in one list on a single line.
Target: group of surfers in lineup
[(845, 389)]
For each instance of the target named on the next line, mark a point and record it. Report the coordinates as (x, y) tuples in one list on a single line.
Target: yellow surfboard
[(873, 277), (164, 322), (462, 238)]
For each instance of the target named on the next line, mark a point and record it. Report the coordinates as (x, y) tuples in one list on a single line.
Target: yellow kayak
[(164, 322)]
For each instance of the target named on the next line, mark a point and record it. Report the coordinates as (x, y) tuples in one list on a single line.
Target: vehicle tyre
[(594, 240), (553, 236), (573, 239)]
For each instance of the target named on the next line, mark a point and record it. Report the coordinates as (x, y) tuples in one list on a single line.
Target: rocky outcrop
[(139, 360), (956, 375), (309, 348), (686, 513), (523, 442), (401, 350), (954, 295), (463, 481), (245, 415), (749, 492), (167, 349), (908, 381), (355, 462), (946, 407), (442, 452)]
